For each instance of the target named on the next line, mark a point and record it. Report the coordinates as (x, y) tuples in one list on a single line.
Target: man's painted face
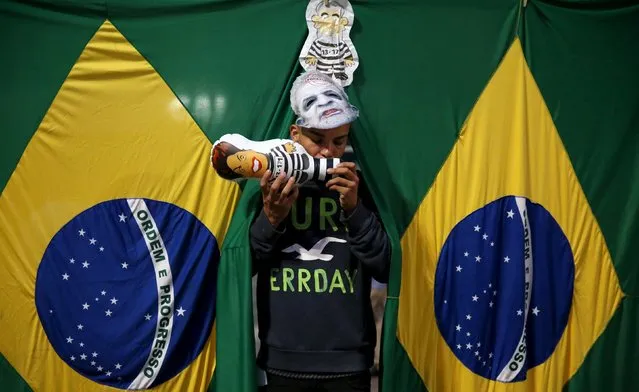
[(322, 143), (323, 106)]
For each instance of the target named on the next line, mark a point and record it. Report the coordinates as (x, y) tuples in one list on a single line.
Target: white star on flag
[(81, 232), (85, 264), (114, 300), (181, 311), (65, 276), (99, 368), (83, 357), (73, 358), (458, 327), (103, 292), (125, 265), (475, 298), (80, 326), (478, 258), (108, 312), (519, 312), (94, 354), (465, 254), (511, 214), (536, 311), (122, 217), (477, 228), (485, 236), (506, 259), (69, 339), (102, 249), (93, 241), (118, 366), (468, 317), (81, 344), (458, 268), (85, 306), (72, 260), (147, 316)]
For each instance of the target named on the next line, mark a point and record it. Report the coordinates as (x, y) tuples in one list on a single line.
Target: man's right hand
[(278, 197)]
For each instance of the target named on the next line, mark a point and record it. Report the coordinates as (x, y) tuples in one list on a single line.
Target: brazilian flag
[(113, 222), (513, 160), (111, 254)]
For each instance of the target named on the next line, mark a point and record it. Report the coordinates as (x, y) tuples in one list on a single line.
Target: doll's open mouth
[(257, 165)]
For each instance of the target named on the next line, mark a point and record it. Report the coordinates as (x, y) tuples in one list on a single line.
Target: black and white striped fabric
[(330, 56), (299, 165)]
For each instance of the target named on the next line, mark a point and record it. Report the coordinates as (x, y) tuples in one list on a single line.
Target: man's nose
[(325, 152), (324, 100)]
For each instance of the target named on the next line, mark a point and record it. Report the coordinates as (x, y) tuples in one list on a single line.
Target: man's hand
[(278, 198), (346, 184)]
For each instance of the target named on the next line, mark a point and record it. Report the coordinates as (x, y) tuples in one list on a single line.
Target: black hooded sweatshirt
[(314, 282)]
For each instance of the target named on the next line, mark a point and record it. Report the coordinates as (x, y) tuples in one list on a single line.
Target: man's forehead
[(330, 133)]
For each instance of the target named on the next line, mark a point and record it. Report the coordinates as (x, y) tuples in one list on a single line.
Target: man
[(315, 249)]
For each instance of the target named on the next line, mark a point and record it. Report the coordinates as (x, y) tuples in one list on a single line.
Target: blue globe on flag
[(504, 287), (126, 291)]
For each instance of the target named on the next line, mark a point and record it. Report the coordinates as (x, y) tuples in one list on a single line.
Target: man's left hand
[(346, 183)]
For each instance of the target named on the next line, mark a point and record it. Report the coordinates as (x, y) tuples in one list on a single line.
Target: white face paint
[(322, 105)]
